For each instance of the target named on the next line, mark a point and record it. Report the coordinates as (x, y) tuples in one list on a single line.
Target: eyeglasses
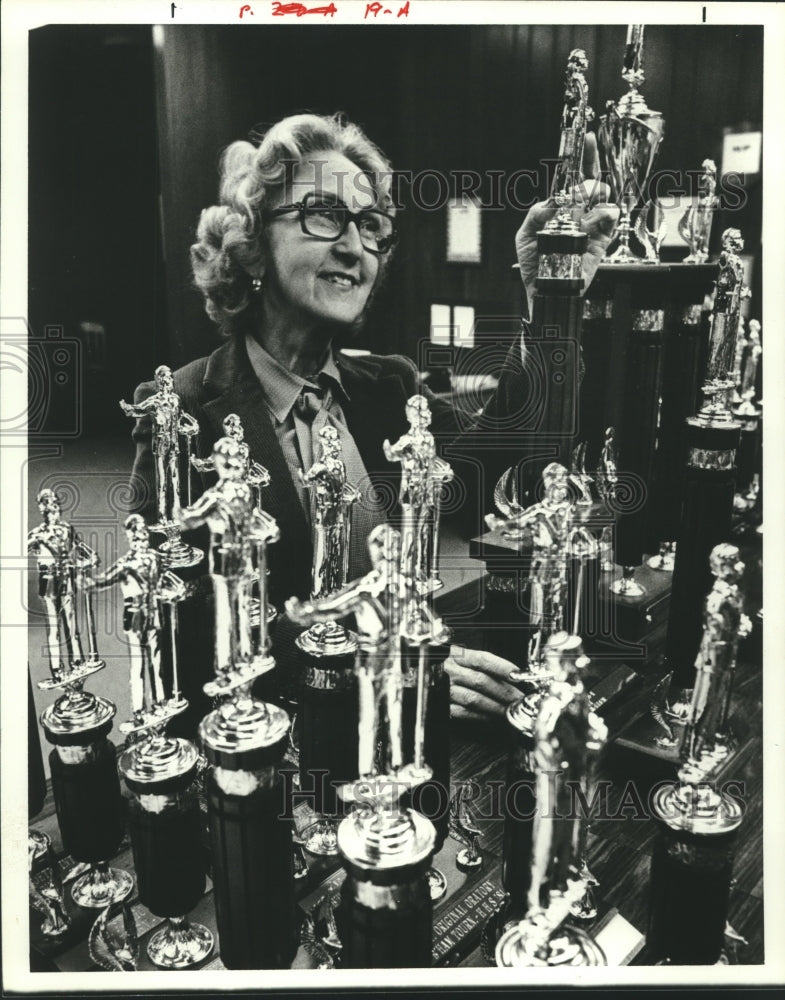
[(329, 221)]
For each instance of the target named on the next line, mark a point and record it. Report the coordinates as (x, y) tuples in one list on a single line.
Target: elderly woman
[(290, 258)]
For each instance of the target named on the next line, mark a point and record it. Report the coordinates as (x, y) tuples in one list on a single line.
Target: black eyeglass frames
[(329, 220)]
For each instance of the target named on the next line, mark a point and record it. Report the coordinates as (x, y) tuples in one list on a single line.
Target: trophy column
[(85, 786), (712, 439), (244, 739), (691, 870), (521, 806), (685, 331), (385, 918), (559, 883), (637, 428), (164, 816)]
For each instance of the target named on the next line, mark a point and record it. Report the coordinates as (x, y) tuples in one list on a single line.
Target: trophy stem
[(622, 254)]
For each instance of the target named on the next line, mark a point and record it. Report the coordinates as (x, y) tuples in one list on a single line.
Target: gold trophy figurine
[(332, 498), (695, 224), (236, 527), (257, 478), (375, 600), (64, 564), (170, 423), (707, 738), (718, 382), (747, 407)]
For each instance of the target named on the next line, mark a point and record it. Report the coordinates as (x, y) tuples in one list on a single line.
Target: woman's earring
[(256, 285)]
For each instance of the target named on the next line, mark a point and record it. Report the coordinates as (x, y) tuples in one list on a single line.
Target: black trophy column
[(596, 353), (690, 884), (685, 337), (636, 429), (328, 729), (707, 508), (87, 796), (385, 918), (253, 870), (553, 346)]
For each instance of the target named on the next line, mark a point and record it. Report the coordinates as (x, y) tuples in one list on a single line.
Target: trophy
[(747, 407), (243, 739), (695, 224), (328, 699), (113, 941), (84, 773), (556, 303), (47, 896), (386, 914), (170, 424), (712, 440), (257, 478), (561, 242), (164, 816), (718, 383), (555, 537), (629, 138), (567, 738), (693, 855), (707, 737), (425, 640)]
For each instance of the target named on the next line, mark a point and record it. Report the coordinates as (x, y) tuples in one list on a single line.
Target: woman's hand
[(479, 685), (592, 213)]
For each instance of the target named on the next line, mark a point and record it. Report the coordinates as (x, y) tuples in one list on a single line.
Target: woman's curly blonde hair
[(228, 238)]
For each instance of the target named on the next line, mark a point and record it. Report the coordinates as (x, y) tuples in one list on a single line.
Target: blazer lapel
[(375, 412)]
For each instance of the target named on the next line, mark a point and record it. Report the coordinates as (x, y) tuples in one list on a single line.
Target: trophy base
[(665, 559), (468, 861), (627, 585), (156, 760), (623, 255), (327, 639), (244, 730), (75, 714), (239, 676), (77, 675), (321, 838), (567, 946), (177, 554), (179, 944), (101, 886)]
